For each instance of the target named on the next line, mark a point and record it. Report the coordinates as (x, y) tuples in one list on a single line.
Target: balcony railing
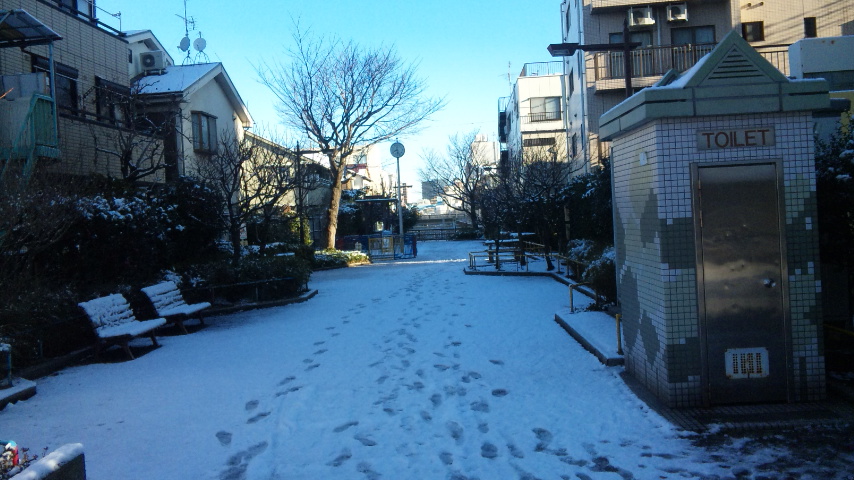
[(656, 61), (540, 117), (539, 69)]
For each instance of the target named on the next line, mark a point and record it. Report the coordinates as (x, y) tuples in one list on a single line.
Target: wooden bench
[(169, 304), (115, 323)]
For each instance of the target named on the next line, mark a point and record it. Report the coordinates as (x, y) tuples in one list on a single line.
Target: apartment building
[(674, 35), (89, 63), (532, 120)]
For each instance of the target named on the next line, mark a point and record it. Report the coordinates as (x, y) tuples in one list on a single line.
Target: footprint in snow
[(258, 417), (223, 437), (488, 450), (544, 438), (480, 406), (345, 426), (499, 392), (365, 469), (321, 351), (447, 458), (497, 362), (251, 405), (290, 390), (287, 380), (455, 430), (365, 440), (312, 367), (515, 451), (341, 458), (436, 399)]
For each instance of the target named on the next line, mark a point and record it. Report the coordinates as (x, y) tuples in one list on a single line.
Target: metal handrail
[(38, 130), (657, 60)]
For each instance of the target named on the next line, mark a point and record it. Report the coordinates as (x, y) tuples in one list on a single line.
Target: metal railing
[(36, 138), (497, 260), (658, 60), (540, 117), (537, 69)]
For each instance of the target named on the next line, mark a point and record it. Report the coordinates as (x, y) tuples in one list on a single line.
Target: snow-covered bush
[(338, 258), (601, 273), (581, 250), (835, 201), (468, 234)]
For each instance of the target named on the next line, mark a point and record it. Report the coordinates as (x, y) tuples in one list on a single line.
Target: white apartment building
[(533, 117), (674, 35)]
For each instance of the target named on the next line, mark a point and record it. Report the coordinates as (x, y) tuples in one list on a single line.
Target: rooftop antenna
[(184, 45)]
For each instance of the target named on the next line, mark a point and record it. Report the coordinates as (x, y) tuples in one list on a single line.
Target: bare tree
[(460, 175), (129, 131), (252, 179), (544, 179), (342, 95)]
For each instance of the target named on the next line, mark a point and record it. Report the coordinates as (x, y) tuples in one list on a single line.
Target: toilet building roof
[(732, 79)]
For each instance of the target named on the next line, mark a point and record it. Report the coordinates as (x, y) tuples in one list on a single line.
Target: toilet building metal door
[(740, 282)]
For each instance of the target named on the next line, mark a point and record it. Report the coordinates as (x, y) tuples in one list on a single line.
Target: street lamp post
[(569, 49), (397, 151)]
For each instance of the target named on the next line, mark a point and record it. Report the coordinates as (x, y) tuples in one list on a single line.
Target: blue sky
[(462, 48)]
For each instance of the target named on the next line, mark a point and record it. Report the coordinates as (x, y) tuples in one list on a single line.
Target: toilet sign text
[(735, 138)]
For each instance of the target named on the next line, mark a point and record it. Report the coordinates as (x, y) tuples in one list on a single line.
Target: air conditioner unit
[(152, 61), (641, 17), (678, 12)]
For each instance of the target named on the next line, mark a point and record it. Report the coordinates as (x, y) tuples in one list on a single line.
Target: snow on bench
[(170, 304), (115, 323)]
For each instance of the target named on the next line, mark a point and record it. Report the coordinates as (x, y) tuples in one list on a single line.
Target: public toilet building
[(715, 231)]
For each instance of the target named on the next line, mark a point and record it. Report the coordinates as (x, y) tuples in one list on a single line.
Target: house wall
[(784, 21), (93, 52), (656, 265), (210, 99)]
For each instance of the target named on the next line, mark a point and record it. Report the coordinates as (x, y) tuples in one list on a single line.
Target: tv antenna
[(198, 44)]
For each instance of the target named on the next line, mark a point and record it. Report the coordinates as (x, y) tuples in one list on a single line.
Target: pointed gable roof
[(732, 79), (188, 79)]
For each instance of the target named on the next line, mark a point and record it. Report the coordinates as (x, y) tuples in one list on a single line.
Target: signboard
[(735, 138)]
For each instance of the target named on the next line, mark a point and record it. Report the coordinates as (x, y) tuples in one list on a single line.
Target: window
[(84, 8), (753, 31), (574, 145), (690, 44), (111, 101), (538, 142), (204, 132), (692, 35), (810, 28), (544, 109), (66, 82)]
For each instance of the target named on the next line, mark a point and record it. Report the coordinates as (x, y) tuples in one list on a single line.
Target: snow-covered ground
[(399, 370)]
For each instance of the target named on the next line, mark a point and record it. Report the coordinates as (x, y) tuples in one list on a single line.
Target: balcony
[(598, 6), (540, 117), (539, 69), (650, 63)]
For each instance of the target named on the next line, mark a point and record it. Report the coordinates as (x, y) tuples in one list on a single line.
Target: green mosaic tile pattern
[(656, 256)]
